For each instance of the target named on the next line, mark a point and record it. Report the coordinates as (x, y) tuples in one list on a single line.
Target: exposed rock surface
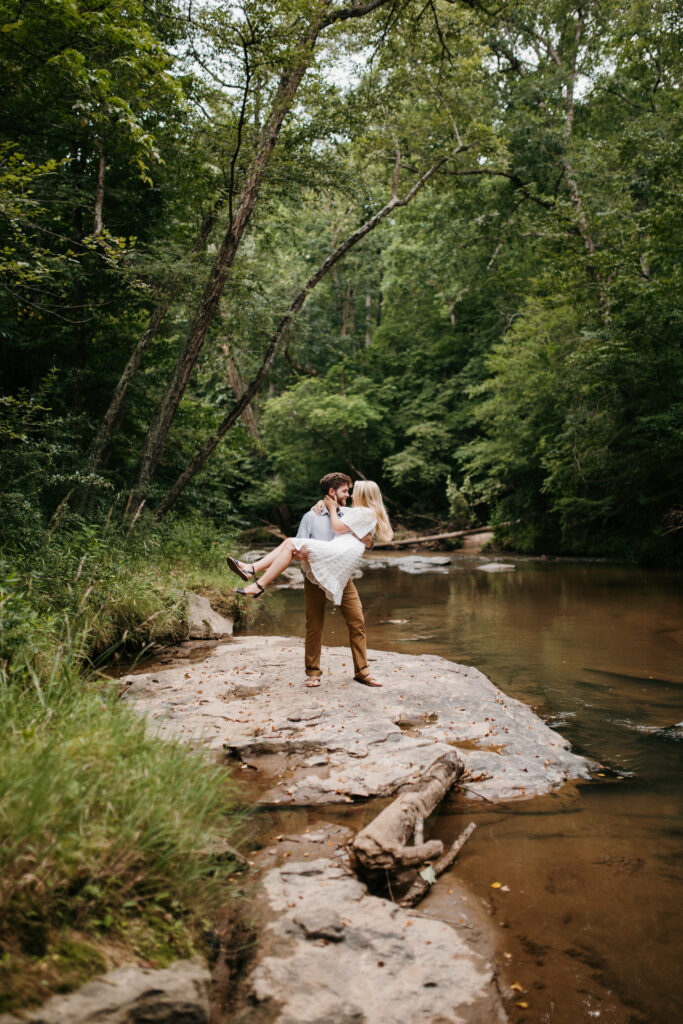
[(412, 564), (203, 622), (497, 567), (131, 995), (333, 954), (344, 741)]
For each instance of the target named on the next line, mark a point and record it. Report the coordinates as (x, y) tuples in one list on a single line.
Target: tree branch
[(355, 11), (240, 126), (274, 344)]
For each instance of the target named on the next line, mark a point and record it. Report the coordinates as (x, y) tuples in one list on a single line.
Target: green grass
[(93, 589), (104, 830)]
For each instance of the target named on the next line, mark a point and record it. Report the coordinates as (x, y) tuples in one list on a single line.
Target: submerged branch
[(421, 885)]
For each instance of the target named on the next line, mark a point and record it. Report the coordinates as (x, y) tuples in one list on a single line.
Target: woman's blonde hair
[(367, 493)]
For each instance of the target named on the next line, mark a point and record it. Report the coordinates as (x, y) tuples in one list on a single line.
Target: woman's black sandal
[(234, 566), (241, 590)]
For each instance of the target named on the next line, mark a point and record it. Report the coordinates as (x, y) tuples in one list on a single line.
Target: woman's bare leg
[(279, 559), (264, 562)]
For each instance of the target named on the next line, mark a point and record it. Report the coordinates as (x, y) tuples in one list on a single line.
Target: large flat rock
[(344, 741), (333, 954), (179, 994)]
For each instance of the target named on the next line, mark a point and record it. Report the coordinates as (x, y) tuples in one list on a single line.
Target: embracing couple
[(330, 544)]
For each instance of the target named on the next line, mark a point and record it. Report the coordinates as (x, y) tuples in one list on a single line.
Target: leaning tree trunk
[(114, 413), (271, 351), (208, 304)]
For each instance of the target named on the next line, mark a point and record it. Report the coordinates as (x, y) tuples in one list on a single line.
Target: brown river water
[(587, 916)]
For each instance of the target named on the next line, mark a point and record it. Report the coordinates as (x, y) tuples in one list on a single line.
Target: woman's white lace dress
[(331, 562)]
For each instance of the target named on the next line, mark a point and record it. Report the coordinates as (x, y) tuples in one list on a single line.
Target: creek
[(587, 915)]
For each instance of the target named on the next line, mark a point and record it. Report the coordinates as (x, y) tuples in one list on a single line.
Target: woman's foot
[(255, 590), (241, 568)]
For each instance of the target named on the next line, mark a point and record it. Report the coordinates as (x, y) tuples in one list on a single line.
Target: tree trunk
[(434, 536), (273, 345), (98, 223), (238, 385), (383, 844), (347, 311), (208, 304), (368, 319), (114, 413)]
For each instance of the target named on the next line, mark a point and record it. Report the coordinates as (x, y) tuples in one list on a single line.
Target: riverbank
[(94, 810), (340, 746), (344, 746), (467, 598)]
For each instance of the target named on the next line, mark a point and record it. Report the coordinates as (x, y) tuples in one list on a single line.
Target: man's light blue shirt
[(318, 527)]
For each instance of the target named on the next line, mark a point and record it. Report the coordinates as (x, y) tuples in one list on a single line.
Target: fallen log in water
[(434, 536), (421, 885), (383, 844)]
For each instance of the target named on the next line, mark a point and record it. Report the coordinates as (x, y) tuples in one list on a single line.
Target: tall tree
[(316, 17)]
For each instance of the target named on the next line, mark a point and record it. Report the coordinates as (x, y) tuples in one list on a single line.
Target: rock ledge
[(343, 741)]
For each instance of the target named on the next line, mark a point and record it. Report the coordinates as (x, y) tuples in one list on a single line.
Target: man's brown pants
[(351, 609)]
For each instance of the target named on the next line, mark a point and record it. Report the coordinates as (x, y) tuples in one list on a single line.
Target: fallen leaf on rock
[(522, 1004), (516, 986), (496, 885)]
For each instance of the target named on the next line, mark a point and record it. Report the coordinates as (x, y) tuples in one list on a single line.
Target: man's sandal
[(246, 593), (233, 564), (367, 680)]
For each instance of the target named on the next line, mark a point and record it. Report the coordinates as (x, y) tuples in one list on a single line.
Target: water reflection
[(589, 921)]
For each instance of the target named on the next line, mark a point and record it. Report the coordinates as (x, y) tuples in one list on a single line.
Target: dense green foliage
[(512, 337)]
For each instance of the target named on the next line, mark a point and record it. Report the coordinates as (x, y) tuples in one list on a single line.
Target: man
[(317, 526)]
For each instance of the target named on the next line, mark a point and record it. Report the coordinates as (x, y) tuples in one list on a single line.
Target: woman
[(329, 564)]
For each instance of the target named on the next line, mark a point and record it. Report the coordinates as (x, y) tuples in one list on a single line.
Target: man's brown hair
[(335, 481)]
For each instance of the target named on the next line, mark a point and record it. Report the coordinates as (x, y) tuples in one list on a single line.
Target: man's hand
[(368, 541), (301, 554)]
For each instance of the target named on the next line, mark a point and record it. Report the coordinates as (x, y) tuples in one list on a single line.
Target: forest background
[(434, 244)]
